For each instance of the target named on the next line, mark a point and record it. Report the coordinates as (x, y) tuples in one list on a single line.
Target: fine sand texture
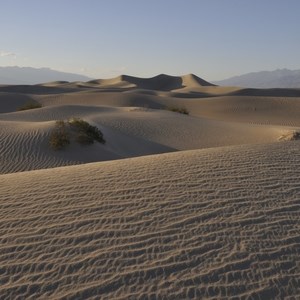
[(212, 223), (172, 206)]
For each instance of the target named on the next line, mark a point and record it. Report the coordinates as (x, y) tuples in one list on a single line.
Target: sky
[(214, 39)]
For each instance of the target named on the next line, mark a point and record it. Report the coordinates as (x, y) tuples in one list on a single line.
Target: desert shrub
[(76, 129), (79, 124), (86, 133), (181, 110), (290, 136), (84, 139), (59, 137), (30, 105), (295, 135)]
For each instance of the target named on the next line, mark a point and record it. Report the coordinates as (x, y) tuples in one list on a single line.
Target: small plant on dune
[(84, 139), (59, 137), (296, 135), (290, 136), (181, 110), (86, 133), (30, 105), (75, 129)]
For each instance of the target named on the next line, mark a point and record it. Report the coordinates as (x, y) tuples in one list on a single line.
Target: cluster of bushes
[(79, 130), (59, 137), (181, 110), (30, 105)]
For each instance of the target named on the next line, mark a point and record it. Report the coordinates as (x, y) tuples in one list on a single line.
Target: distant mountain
[(27, 75), (281, 78)]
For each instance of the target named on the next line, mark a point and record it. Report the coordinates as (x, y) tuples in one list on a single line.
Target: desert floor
[(172, 206)]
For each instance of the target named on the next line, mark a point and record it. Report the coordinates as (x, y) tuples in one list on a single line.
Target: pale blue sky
[(214, 39)]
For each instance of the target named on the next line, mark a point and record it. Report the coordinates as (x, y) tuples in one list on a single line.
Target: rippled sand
[(213, 212)]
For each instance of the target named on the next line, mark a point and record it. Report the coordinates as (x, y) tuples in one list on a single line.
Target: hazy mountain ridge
[(28, 75), (280, 78)]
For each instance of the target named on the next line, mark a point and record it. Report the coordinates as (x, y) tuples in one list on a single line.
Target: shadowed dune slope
[(25, 146), (36, 89), (245, 109), (212, 223), (128, 131), (10, 102), (160, 82), (283, 111), (278, 92)]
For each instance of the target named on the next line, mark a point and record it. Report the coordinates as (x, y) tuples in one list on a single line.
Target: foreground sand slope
[(210, 223)]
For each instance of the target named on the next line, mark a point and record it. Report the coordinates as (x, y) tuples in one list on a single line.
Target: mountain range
[(28, 75), (280, 78)]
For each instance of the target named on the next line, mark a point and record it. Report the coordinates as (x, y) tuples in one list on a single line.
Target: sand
[(173, 206)]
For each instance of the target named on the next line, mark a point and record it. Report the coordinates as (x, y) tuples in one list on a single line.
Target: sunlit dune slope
[(212, 223)]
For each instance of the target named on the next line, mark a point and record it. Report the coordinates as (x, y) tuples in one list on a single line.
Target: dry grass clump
[(296, 135), (79, 130), (290, 136), (181, 110), (59, 137), (30, 105)]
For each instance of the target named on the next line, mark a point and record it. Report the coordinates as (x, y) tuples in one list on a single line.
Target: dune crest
[(160, 82), (202, 204), (191, 80)]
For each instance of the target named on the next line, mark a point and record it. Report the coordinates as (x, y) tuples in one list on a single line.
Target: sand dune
[(160, 82), (10, 102), (36, 89), (25, 146), (278, 92), (54, 83), (246, 109), (217, 218), (213, 223), (129, 131)]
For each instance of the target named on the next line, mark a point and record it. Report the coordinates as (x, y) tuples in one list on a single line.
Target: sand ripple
[(211, 223)]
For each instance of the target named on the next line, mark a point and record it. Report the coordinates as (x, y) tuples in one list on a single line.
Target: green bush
[(81, 131), (30, 105), (181, 110), (86, 133), (59, 137), (84, 139)]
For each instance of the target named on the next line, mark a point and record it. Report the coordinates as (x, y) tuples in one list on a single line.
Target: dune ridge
[(161, 82), (212, 223), (129, 132), (172, 206)]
